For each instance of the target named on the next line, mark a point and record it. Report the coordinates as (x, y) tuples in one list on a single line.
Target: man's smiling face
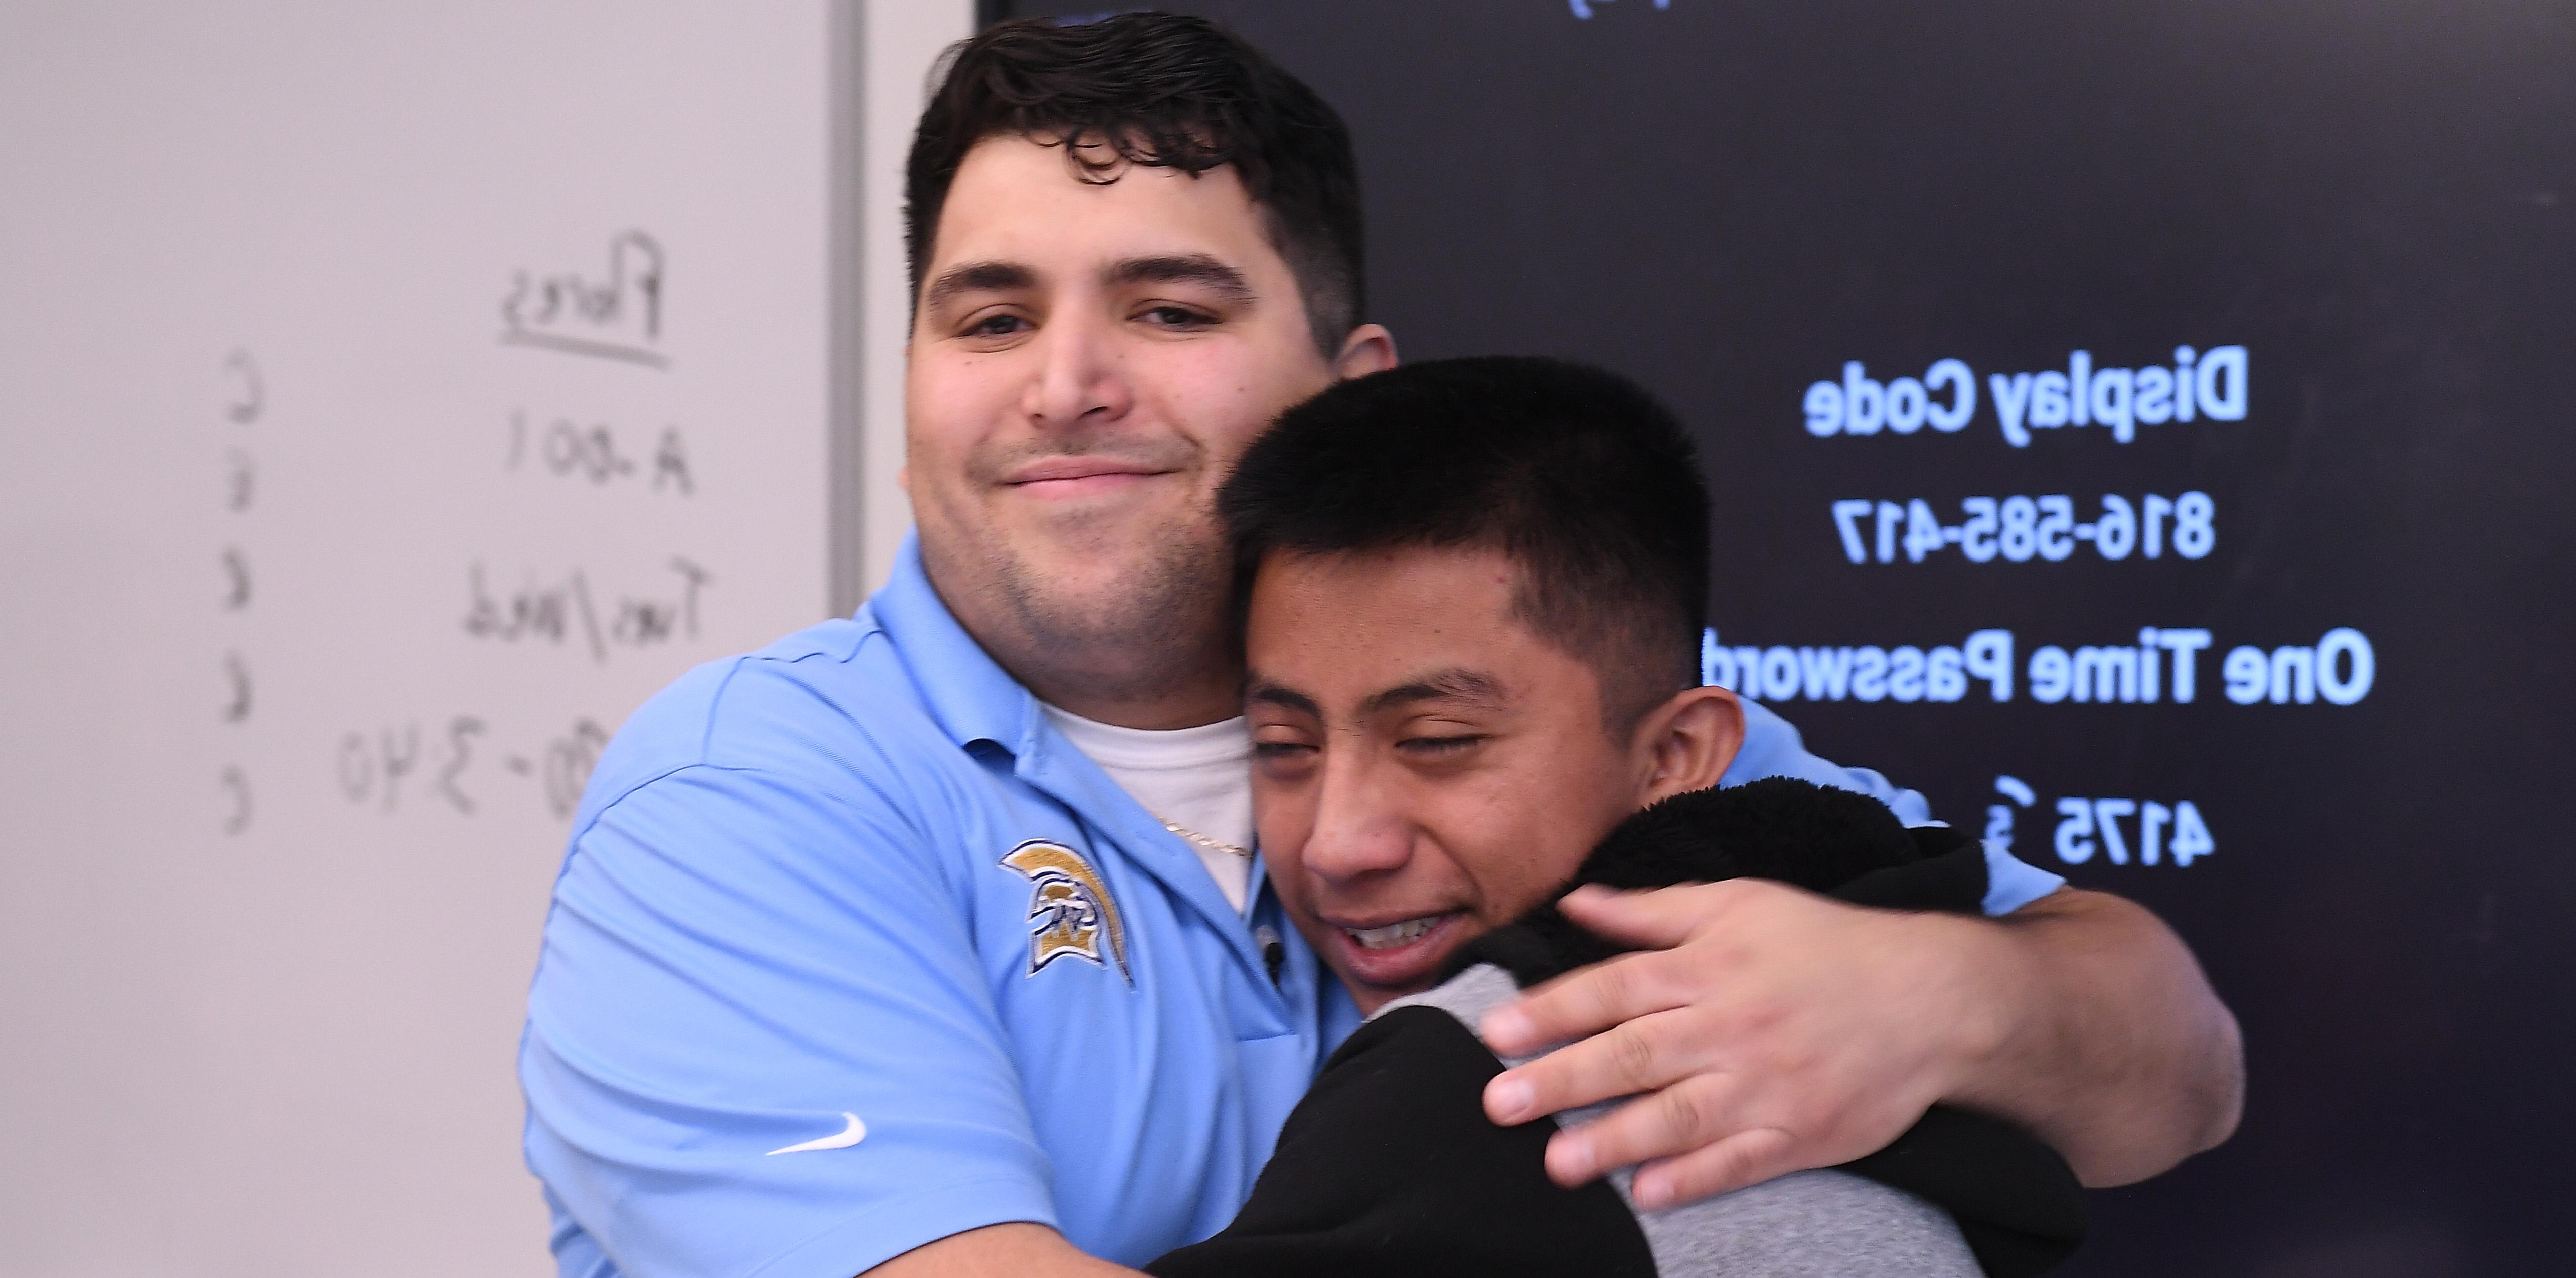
[(1425, 767), (1088, 359)]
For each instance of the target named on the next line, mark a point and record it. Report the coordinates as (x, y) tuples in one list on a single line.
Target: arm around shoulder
[(1021, 1249), (2104, 1037)]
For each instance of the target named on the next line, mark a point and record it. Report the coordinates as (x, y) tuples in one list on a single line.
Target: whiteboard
[(393, 397)]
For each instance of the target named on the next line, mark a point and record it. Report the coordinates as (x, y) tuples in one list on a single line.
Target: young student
[(1476, 588)]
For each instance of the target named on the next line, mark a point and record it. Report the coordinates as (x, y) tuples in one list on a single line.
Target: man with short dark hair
[(1475, 591), (935, 934)]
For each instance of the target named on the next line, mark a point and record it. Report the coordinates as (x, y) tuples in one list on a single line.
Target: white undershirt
[(1199, 779)]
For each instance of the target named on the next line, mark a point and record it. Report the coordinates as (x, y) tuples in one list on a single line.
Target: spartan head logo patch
[(1071, 913)]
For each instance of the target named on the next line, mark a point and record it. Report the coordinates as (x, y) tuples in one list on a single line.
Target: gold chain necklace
[(1197, 839)]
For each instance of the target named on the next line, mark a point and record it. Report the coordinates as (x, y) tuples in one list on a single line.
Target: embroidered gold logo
[(1070, 909)]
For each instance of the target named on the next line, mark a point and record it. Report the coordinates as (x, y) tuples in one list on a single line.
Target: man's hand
[(1776, 1029), (1765, 1029)]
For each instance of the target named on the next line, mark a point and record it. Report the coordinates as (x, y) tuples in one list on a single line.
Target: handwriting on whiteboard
[(597, 452), (562, 609), (248, 399), (616, 315), (461, 759)]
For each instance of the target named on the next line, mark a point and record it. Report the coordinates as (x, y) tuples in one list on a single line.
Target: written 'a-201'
[(596, 451)]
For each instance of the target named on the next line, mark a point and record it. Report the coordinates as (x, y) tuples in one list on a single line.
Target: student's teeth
[(1392, 935)]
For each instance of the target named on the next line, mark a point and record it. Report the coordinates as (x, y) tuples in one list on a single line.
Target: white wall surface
[(330, 551)]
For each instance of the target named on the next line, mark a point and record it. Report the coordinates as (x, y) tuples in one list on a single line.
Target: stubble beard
[(1134, 637)]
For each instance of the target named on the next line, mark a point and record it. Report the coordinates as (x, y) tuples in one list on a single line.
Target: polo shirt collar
[(973, 698), (969, 694)]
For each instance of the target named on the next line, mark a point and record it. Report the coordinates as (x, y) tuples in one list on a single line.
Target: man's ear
[(1369, 349), (1687, 743)]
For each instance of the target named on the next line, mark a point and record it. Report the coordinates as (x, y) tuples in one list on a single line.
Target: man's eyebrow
[(1183, 268), (977, 277), (1264, 692), (1480, 690)]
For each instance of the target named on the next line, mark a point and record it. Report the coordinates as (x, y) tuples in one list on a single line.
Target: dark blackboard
[(2367, 204)]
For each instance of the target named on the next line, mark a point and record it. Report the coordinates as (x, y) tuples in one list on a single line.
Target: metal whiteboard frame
[(882, 55)]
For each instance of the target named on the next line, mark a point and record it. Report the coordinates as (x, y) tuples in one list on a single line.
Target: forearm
[(1023, 1250), (2102, 1036)]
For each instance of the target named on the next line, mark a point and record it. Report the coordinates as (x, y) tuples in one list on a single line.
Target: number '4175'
[(2177, 831)]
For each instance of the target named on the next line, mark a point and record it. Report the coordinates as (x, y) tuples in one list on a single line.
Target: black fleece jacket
[(1389, 1166)]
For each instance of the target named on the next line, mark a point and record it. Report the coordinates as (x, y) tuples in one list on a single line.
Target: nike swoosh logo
[(858, 1131)]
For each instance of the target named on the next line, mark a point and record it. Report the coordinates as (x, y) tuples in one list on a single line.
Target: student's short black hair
[(1586, 482), (1159, 89)]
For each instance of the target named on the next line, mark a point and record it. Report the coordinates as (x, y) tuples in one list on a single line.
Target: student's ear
[(1687, 743), (1369, 349)]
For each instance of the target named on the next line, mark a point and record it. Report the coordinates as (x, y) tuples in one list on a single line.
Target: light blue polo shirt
[(851, 952), (1772, 748)]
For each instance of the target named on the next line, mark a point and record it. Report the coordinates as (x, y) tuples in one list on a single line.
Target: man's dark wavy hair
[(1165, 90), (1588, 484)]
